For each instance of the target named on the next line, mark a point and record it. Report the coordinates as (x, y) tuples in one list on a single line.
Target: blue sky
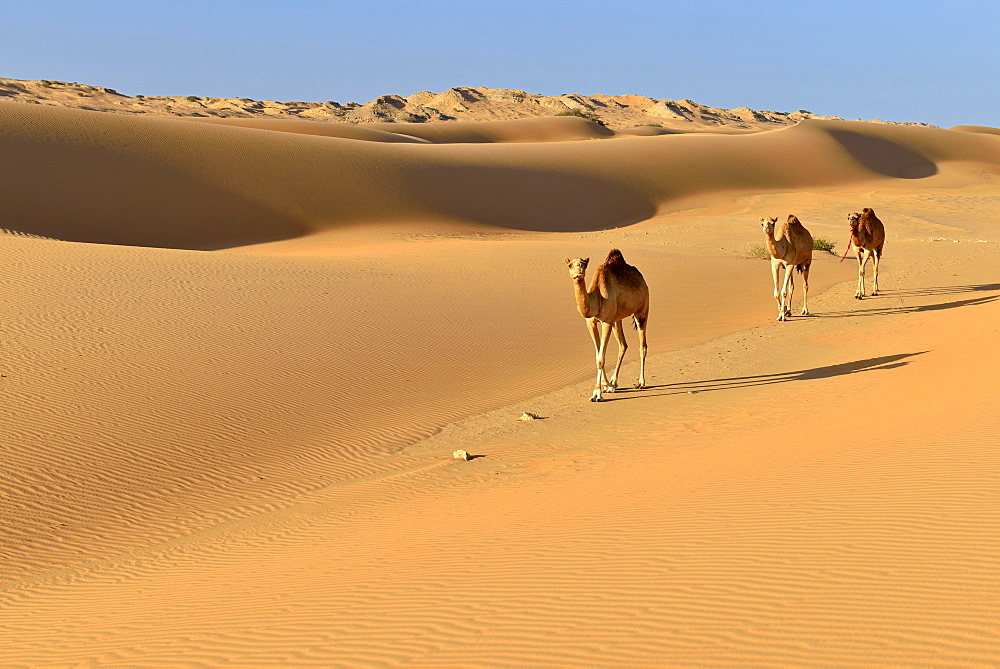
[(901, 61)]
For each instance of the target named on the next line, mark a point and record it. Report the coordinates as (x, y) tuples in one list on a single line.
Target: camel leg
[(594, 328), (601, 350), (805, 290), (783, 309), (641, 327), (862, 258), (876, 256), (622, 347), (775, 269), (790, 283)]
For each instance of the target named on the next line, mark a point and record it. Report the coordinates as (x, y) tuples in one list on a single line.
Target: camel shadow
[(916, 309), (864, 312), (870, 364), (882, 363), (938, 290)]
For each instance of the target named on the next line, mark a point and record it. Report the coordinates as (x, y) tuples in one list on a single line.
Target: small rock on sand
[(460, 455), (527, 415)]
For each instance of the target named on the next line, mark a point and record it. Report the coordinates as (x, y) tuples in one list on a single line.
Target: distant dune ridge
[(460, 103), (239, 350)]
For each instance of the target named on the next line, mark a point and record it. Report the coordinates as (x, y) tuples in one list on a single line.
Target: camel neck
[(776, 246), (585, 302)]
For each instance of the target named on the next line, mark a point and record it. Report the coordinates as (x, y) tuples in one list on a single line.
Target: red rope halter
[(847, 251)]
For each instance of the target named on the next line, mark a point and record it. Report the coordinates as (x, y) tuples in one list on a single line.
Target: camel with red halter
[(868, 237)]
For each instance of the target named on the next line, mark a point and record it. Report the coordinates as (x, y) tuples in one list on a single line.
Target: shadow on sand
[(869, 365), (940, 290), (918, 292), (884, 156)]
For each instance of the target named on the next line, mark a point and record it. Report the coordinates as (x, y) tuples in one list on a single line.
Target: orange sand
[(243, 456)]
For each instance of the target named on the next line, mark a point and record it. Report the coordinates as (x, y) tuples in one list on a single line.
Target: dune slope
[(155, 182)]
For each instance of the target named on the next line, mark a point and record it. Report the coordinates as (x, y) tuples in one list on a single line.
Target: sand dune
[(342, 130), (165, 183), (244, 456), (548, 129), (977, 128)]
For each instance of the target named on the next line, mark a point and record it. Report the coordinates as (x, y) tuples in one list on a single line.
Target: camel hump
[(615, 257), (793, 220), (868, 216)]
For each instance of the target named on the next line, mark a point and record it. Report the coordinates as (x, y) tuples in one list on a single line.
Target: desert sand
[(238, 356)]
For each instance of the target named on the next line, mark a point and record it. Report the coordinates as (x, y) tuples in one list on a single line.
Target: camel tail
[(800, 268), (635, 322)]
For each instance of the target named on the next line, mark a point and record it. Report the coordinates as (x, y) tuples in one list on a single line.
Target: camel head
[(768, 225), (577, 267), (853, 219)]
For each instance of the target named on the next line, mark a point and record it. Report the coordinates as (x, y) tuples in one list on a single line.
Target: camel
[(868, 237), (791, 249), (617, 292)]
